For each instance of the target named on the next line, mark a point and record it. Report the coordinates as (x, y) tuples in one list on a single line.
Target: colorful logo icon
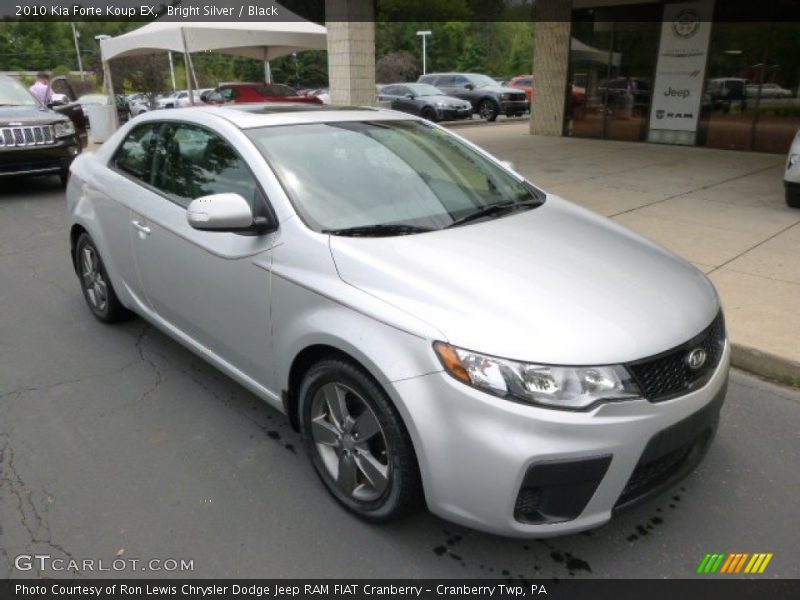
[(737, 562)]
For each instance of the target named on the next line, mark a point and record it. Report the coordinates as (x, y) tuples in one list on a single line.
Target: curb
[(477, 122), (767, 365)]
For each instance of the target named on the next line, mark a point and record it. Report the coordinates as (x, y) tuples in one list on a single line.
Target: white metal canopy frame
[(263, 40)]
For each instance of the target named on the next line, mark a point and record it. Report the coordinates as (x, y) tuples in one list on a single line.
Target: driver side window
[(192, 162)]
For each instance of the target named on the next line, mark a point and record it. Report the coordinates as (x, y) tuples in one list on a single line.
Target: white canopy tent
[(263, 40)]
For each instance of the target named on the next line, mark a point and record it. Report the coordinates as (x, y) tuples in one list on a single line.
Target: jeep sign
[(680, 70)]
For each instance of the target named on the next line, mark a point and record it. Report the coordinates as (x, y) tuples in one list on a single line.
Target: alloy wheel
[(350, 441), (93, 281)]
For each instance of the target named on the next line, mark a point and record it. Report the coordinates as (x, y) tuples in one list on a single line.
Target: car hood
[(27, 115), (556, 284)]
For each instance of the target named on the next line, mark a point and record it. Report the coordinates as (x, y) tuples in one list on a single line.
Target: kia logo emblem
[(696, 358)]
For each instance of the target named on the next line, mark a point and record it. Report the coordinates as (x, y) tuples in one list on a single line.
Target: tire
[(488, 110), (429, 114), (793, 198), (95, 284), (381, 482)]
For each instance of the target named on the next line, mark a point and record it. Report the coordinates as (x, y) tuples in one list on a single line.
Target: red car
[(241, 93)]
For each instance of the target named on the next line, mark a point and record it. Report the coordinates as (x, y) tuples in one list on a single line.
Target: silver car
[(440, 330)]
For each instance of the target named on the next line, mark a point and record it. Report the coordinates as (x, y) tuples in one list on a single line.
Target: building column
[(351, 51), (550, 66)]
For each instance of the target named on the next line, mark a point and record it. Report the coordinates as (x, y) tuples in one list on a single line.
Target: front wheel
[(429, 114), (357, 442), (488, 110)]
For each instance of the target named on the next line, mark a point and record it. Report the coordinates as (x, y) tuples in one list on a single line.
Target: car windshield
[(480, 81), (423, 89), (13, 93), (387, 174)]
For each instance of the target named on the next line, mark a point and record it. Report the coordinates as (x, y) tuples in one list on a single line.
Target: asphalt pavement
[(117, 443)]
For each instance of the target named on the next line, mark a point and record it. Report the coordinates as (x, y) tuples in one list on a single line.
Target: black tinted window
[(193, 162), (135, 155)]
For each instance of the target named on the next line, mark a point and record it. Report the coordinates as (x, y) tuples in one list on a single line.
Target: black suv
[(488, 98), (35, 139)]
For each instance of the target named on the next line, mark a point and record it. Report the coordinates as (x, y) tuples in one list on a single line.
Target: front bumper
[(475, 450), (514, 107), (39, 160), (446, 114)]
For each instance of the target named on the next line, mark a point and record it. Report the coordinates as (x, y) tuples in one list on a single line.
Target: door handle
[(142, 228)]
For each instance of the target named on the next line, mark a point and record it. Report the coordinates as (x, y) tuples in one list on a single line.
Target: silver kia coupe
[(440, 329)]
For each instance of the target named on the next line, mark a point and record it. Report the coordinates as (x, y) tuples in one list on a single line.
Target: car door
[(72, 109), (446, 83), (205, 285), (402, 101)]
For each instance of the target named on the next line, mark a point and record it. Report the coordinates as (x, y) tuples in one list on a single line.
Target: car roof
[(249, 116)]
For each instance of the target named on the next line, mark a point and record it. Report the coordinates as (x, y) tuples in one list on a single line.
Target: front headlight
[(793, 160), (504, 96), (63, 129), (570, 388), (441, 104)]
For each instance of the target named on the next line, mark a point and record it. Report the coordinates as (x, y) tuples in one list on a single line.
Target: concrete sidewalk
[(724, 211)]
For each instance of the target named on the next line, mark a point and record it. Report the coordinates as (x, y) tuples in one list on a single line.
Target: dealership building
[(691, 73), (697, 72)]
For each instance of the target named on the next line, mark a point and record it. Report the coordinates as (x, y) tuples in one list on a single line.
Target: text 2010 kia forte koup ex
[(438, 328)]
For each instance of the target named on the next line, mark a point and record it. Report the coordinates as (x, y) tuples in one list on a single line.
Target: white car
[(791, 178), (768, 90), (439, 328)]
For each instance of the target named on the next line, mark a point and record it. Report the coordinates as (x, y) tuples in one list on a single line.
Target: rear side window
[(446, 81), (135, 155)]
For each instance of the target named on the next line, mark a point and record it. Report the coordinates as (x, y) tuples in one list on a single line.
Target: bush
[(396, 67)]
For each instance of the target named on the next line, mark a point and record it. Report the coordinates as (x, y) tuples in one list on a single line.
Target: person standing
[(41, 89)]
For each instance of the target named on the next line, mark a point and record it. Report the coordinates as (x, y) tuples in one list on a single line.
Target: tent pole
[(189, 68), (267, 68), (109, 86)]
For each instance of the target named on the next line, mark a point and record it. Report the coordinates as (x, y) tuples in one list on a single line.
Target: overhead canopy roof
[(583, 53), (260, 40)]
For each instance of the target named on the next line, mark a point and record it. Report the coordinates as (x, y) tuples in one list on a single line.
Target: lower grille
[(34, 135), (669, 374), (650, 475), (673, 452)]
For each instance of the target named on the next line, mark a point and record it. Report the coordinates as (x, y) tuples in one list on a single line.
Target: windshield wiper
[(378, 230), (493, 209)]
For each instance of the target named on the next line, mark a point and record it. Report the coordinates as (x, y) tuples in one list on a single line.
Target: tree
[(396, 66)]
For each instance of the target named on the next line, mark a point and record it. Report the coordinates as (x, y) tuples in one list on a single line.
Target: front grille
[(517, 97), (33, 135), (669, 375)]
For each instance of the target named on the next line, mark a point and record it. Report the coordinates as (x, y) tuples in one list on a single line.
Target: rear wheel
[(357, 442), (488, 109), (95, 284)]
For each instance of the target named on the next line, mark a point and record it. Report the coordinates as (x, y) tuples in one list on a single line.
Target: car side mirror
[(221, 212), (410, 96), (469, 86), (55, 103)]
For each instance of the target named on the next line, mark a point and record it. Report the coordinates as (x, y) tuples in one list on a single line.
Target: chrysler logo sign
[(696, 358), (685, 24)]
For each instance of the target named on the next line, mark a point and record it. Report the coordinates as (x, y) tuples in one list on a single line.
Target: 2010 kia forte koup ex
[(437, 327)]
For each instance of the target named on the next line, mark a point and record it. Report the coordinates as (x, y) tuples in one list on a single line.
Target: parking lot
[(116, 442)]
